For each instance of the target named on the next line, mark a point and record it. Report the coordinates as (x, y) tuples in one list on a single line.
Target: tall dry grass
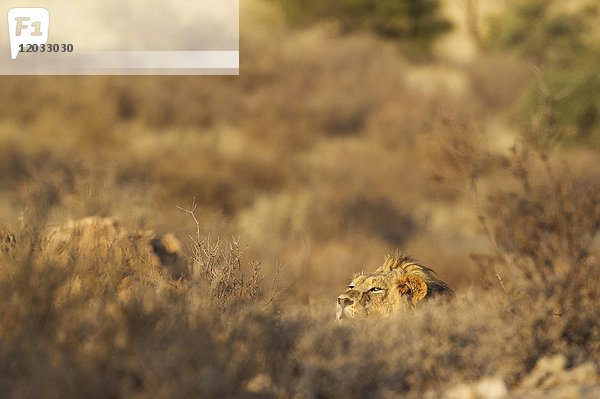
[(103, 322)]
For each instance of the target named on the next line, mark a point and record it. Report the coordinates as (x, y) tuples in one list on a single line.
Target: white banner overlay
[(27, 26), (134, 37)]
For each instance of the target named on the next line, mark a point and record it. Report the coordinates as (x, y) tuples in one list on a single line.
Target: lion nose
[(344, 300)]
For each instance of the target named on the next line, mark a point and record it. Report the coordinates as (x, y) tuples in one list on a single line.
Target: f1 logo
[(27, 26)]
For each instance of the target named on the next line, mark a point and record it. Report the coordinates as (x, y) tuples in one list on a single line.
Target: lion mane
[(401, 282)]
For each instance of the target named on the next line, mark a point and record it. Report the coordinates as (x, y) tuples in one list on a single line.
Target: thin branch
[(275, 291), (501, 282), (192, 212)]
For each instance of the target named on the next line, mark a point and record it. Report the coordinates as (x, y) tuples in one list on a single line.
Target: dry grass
[(107, 324), (324, 154)]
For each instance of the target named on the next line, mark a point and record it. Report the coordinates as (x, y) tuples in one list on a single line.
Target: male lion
[(97, 232), (91, 232), (398, 284)]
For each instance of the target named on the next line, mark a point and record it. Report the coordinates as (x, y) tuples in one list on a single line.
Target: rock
[(260, 384), (491, 388), (545, 372), (487, 388), (551, 372)]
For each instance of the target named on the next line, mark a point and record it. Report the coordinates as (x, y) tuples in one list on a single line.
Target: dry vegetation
[(323, 154)]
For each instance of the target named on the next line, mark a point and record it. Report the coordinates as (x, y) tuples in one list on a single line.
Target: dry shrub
[(542, 220), (498, 79), (543, 236), (100, 320), (216, 268), (103, 322), (416, 352)]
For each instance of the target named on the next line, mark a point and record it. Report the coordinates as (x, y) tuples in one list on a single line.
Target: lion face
[(398, 284), (379, 294)]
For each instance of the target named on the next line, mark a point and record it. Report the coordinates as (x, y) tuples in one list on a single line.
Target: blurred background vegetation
[(333, 145), (563, 43), (418, 21), (463, 132)]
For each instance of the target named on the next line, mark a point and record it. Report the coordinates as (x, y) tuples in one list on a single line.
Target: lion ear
[(413, 286)]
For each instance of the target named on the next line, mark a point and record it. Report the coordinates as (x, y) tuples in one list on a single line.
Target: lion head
[(400, 283), (98, 232)]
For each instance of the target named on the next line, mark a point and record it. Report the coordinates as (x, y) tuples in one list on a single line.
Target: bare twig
[(192, 212), (275, 291), (501, 282), (218, 267)]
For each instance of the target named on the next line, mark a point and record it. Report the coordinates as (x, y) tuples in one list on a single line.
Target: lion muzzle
[(343, 301)]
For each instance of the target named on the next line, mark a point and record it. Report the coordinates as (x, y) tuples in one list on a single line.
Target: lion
[(400, 283), (106, 233), (165, 250)]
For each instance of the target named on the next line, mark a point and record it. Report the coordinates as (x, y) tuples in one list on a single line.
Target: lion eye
[(351, 286), (375, 290)]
